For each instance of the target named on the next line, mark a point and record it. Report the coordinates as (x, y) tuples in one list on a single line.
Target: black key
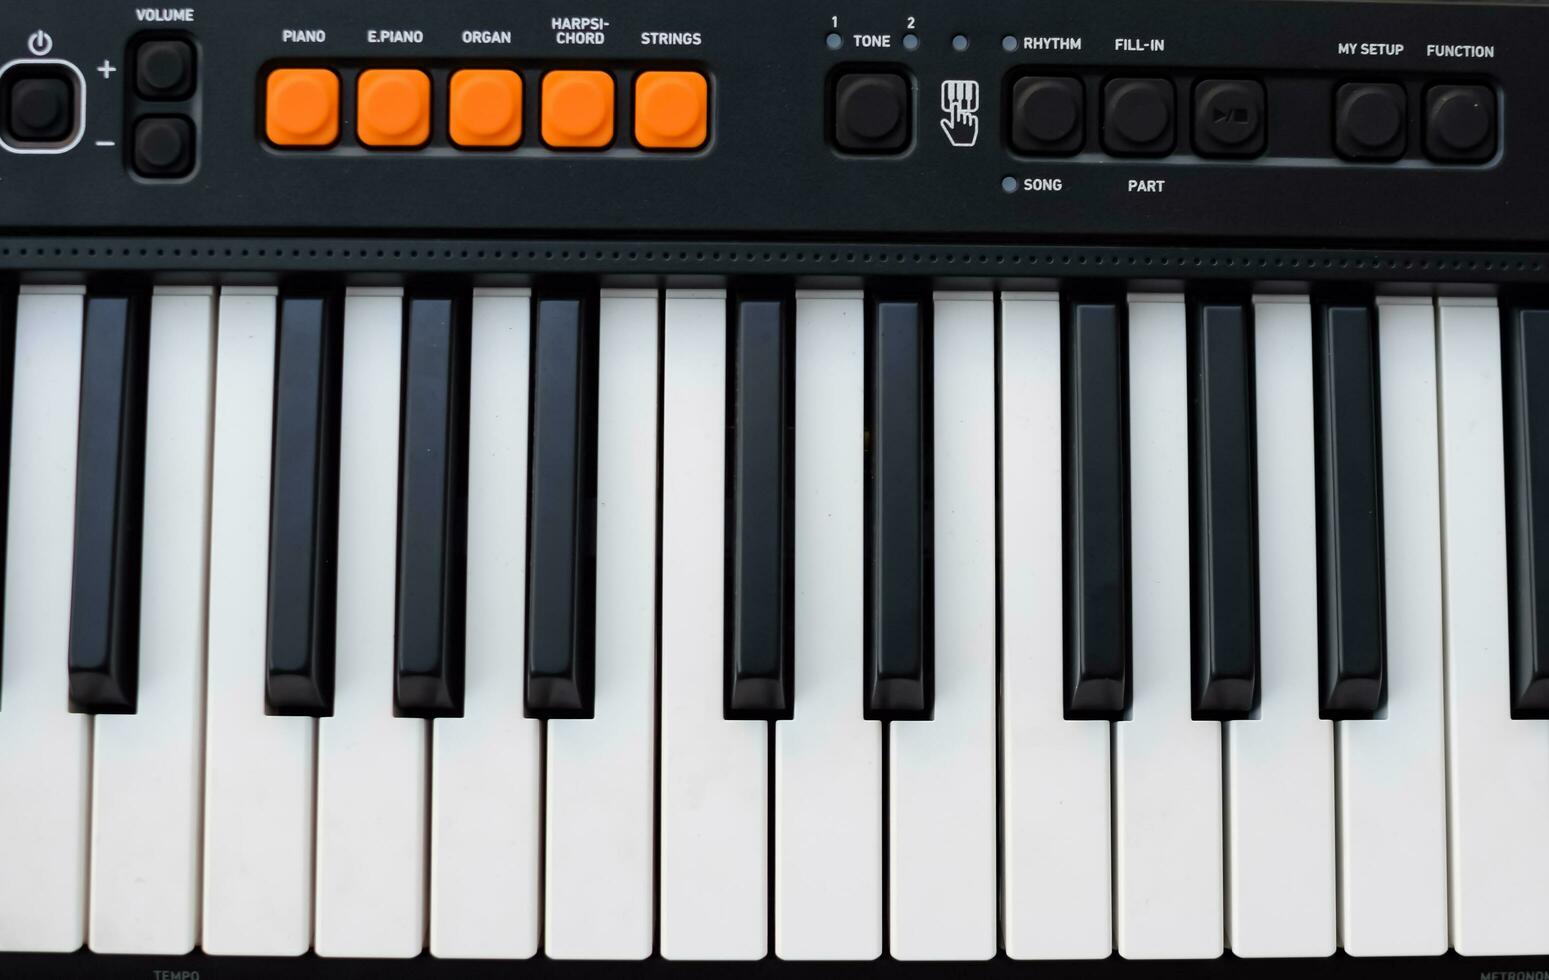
[(899, 655), (7, 378), (1097, 586), (433, 511), (562, 512), (1527, 511), (304, 510), (1222, 512), (760, 525), (109, 508), (1352, 664)]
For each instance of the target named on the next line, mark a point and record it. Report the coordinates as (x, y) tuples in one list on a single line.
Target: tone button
[(485, 108), (672, 110), (302, 107), (393, 105), (578, 109)]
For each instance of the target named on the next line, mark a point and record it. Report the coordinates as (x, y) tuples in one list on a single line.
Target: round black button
[(1369, 121), (871, 109), (164, 69), (1048, 109), (1138, 116), (163, 146), (1460, 120), (870, 112), (1229, 118), (41, 110)]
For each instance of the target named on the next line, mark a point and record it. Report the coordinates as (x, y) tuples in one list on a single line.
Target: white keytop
[(1280, 805), (43, 765), (1498, 769), (828, 758), (485, 774), (147, 768), (941, 807), (599, 861), (258, 799), (1056, 865), (371, 766), (714, 783), (1392, 802), (1167, 767)]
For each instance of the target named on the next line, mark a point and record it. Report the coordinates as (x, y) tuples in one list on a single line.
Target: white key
[(1280, 828), (485, 800), (258, 770), (1498, 769), (1167, 767), (371, 766), (941, 807), (714, 780), (147, 768), (1055, 773), (1392, 778), (43, 762), (599, 861), (828, 758)]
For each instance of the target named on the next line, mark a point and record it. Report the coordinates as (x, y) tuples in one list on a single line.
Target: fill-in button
[(672, 110)]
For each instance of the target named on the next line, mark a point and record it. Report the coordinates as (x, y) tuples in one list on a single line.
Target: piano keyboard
[(815, 624), (687, 488)]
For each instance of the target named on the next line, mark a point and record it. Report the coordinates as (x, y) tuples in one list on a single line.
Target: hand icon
[(961, 128), (960, 111)]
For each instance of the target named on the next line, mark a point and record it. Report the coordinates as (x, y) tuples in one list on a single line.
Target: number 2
[(911, 23)]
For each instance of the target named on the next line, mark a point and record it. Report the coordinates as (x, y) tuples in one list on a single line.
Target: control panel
[(936, 120)]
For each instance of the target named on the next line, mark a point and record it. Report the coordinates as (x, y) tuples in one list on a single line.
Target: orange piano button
[(578, 108), (485, 108), (393, 106), (301, 107), (672, 110)]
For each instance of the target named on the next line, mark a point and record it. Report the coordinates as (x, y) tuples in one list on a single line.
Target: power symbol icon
[(40, 43)]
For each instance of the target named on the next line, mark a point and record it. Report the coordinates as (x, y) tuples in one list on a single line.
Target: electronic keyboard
[(665, 489)]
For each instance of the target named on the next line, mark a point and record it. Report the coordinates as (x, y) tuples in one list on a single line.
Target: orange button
[(578, 108), (393, 107), (485, 108), (301, 107), (672, 110)]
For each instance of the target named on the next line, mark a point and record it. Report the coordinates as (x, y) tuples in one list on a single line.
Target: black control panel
[(1170, 121)]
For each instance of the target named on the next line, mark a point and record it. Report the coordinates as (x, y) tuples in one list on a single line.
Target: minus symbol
[(106, 143)]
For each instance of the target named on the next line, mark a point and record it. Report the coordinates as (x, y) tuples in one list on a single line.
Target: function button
[(1369, 121), (1229, 118), (163, 146), (40, 109), (1138, 117), (393, 107), (164, 69), (1460, 123), (578, 109), (485, 107), (672, 110), (871, 113), (301, 107), (1047, 115)]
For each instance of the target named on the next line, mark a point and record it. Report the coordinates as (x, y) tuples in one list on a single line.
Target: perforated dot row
[(711, 259)]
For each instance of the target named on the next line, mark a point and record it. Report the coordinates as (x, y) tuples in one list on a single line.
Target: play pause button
[(1229, 118)]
